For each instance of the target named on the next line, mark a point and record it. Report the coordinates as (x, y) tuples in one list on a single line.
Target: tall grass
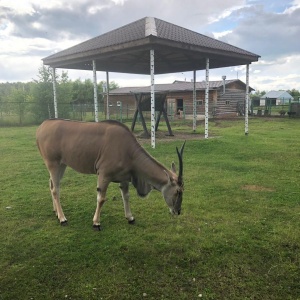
[(238, 236)]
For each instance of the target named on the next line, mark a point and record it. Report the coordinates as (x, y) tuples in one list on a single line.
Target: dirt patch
[(257, 188)]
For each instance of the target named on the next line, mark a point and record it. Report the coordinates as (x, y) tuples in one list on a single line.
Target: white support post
[(95, 91), (206, 97), (194, 103), (247, 101), (54, 93), (152, 99), (107, 96)]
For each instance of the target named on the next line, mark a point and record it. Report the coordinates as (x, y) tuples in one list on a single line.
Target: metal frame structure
[(126, 50)]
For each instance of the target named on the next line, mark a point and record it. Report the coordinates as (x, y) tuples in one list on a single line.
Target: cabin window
[(199, 102), (227, 102)]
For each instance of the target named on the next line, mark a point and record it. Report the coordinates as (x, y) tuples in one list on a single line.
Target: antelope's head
[(173, 190)]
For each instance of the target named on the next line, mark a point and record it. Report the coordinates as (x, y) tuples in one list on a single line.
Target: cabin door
[(179, 108)]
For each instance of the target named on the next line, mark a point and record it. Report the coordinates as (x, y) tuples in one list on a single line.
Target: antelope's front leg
[(124, 186), (101, 193)]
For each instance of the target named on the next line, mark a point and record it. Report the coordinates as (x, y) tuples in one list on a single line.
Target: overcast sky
[(33, 29)]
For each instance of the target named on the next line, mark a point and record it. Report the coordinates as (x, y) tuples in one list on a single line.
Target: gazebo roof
[(126, 50)]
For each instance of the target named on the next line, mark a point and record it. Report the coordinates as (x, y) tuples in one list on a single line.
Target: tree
[(34, 100), (14, 100), (43, 95), (5, 90), (294, 93), (257, 94), (102, 92), (18, 98), (83, 92), (64, 95)]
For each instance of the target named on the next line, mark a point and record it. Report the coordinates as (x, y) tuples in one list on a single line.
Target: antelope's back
[(84, 146)]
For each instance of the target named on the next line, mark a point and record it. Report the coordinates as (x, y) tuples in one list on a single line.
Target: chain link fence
[(271, 108), (27, 113), (31, 113)]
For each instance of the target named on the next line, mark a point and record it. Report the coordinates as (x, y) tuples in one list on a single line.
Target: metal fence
[(27, 113), (30, 113), (289, 109)]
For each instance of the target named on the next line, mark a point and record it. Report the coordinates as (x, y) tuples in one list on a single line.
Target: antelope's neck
[(152, 171)]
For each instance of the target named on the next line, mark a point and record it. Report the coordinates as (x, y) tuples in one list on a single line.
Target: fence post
[(20, 113), (121, 112)]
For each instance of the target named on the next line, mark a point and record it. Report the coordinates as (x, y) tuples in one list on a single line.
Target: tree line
[(36, 97)]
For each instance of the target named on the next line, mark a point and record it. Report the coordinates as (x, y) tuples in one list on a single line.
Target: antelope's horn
[(180, 154)]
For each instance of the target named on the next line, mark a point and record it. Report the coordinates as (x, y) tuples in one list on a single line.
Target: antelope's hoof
[(64, 223), (97, 227), (131, 221)]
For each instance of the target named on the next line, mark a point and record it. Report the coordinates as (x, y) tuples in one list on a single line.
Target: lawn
[(238, 236)]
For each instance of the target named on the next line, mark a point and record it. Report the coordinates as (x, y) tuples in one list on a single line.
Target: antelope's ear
[(173, 168)]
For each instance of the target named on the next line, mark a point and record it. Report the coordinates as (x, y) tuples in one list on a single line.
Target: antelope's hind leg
[(56, 172), (124, 187)]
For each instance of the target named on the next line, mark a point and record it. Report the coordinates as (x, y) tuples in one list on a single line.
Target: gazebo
[(152, 46)]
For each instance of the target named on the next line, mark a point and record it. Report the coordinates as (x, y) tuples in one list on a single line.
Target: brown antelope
[(110, 150)]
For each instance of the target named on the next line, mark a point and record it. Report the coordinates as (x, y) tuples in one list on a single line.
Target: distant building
[(223, 99), (276, 98)]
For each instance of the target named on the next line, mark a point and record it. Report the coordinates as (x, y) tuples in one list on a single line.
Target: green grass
[(238, 236)]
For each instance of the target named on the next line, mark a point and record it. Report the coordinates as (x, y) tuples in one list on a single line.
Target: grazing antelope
[(110, 150)]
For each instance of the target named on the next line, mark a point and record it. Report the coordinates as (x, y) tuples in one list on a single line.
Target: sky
[(31, 30)]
